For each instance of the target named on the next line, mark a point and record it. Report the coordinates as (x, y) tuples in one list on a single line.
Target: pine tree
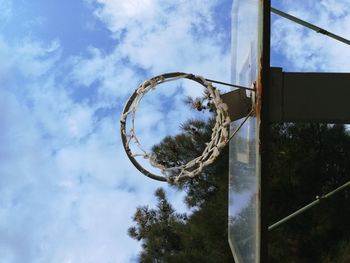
[(159, 229), (309, 160), (202, 235), (306, 160)]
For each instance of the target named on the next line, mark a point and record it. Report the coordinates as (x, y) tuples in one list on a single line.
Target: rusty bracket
[(239, 104)]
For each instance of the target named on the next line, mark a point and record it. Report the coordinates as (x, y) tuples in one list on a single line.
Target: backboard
[(250, 64)]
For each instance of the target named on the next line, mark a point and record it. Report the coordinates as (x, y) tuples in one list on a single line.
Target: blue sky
[(67, 190)]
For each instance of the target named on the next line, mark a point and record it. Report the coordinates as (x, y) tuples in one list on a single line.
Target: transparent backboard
[(244, 177)]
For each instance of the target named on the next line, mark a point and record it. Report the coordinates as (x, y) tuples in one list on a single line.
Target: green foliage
[(186, 146), (201, 236), (305, 160), (308, 160), (159, 229)]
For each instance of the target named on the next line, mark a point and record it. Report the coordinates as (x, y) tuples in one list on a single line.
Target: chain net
[(219, 136)]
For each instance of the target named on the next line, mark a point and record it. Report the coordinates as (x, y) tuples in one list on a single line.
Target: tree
[(202, 235), (305, 160), (160, 230), (308, 160)]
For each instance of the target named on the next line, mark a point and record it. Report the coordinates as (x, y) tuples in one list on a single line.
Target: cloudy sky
[(67, 190)]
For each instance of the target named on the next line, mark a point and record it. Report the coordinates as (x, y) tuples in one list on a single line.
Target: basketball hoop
[(219, 138)]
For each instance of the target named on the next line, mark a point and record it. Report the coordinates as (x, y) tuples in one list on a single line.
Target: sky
[(67, 190)]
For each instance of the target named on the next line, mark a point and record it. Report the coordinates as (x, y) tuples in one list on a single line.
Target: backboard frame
[(263, 107), (252, 66)]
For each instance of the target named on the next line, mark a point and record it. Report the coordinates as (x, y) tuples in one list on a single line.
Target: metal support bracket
[(239, 104), (309, 97)]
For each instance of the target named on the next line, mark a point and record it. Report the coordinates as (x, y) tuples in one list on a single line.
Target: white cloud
[(65, 179), (155, 37), (307, 50), (77, 208), (120, 15), (92, 228), (26, 183), (114, 79), (27, 57), (6, 11), (339, 9), (79, 121)]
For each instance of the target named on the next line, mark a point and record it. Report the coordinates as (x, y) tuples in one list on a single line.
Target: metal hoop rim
[(127, 108)]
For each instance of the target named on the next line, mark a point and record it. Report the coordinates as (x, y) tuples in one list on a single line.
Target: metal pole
[(309, 25), (305, 208), (229, 84)]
